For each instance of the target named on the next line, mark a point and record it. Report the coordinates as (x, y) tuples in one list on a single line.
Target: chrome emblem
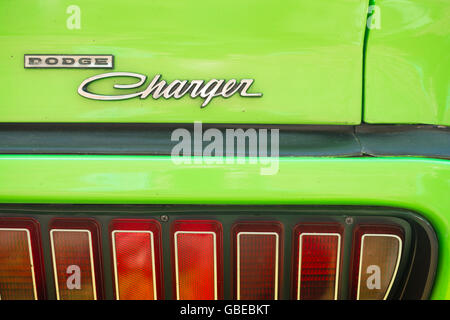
[(176, 89), (58, 61)]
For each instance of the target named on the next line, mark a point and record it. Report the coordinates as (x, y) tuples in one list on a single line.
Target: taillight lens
[(21, 267), (197, 248), (76, 258), (317, 259), (376, 257), (257, 257), (136, 251)]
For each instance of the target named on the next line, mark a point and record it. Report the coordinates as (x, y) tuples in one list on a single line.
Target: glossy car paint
[(414, 183), (305, 56), (407, 78)]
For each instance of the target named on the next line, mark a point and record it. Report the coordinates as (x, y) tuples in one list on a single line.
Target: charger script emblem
[(176, 89)]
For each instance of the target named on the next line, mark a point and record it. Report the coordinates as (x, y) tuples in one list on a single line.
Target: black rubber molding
[(294, 140)]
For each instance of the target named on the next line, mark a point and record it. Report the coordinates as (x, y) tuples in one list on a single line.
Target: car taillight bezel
[(32, 227), (373, 229), (263, 228), (415, 273), (201, 227), (140, 225), (91, 226), (319, 229)]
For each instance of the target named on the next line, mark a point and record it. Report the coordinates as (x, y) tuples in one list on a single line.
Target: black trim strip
[(407, 140), (155, 139)]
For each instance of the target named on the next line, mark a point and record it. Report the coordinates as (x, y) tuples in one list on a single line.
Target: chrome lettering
[(158, 88)]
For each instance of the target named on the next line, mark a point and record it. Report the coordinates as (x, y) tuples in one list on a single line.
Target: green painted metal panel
[(407, 75), (305, 57), (418, 184)]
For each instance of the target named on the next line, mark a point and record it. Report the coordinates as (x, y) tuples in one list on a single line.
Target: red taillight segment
[(74, 265), (257, 256), (136, 259), (21, 272), (197, 247), (376, 256), (317, 261), (196, 265), (76, 260)]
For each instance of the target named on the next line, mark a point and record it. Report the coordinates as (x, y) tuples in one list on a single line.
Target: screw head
[(164, 218), (349, 220)]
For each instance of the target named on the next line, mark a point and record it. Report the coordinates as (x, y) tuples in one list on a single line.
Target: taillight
[(197, 257), (75, 245), (257, 257), (136, 251), (317, 259), (376, 258), (21, 267)]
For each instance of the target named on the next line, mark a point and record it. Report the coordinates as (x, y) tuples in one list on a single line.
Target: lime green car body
[(316, 62)]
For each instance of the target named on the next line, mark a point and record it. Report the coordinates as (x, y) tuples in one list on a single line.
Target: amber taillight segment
[(21, 266), (257, 257), (377, 250), (136, 252), (75, 246), (317, 260), (197, 259)]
